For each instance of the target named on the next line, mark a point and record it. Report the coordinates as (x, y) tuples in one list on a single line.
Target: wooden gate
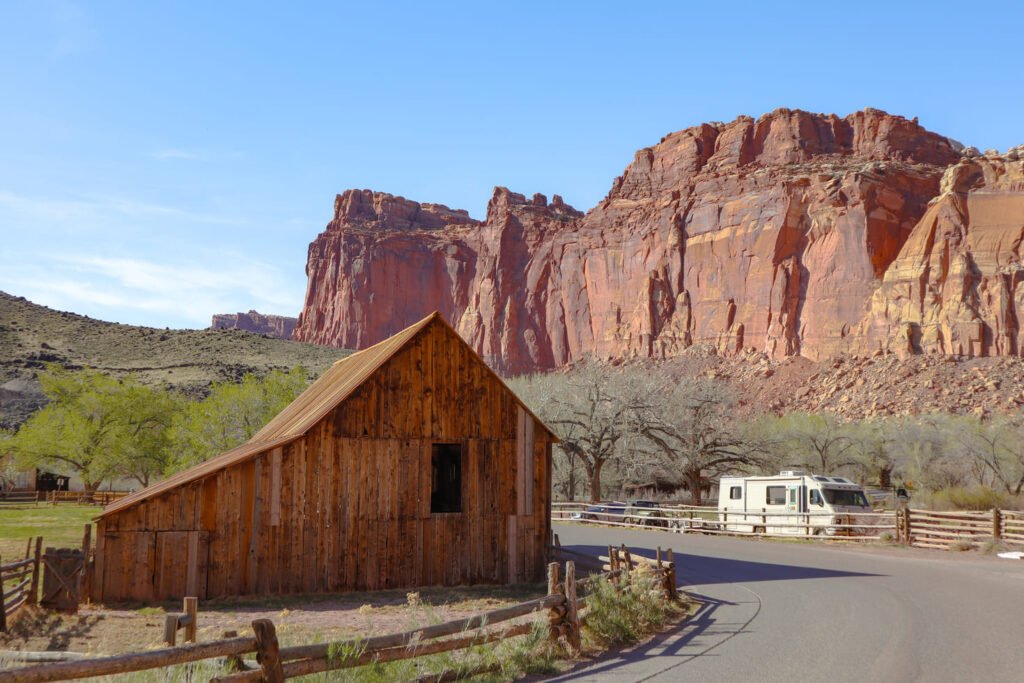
[(62, 578)]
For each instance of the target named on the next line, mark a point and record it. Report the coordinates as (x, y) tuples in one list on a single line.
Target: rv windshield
[(845, 497)]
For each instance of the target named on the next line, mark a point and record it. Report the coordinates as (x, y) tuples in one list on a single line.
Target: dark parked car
[(602, 513)]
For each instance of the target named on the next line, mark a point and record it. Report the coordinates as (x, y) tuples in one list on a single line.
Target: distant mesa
[(279, 326)]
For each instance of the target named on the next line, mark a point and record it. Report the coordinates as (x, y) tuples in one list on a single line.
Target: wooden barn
[(409, 463)]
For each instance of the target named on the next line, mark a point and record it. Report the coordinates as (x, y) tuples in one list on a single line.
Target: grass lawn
[(60, 526)]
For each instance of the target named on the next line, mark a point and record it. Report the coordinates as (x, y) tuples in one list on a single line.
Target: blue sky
[(161, 162)]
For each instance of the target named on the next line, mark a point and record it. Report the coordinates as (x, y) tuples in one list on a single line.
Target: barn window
[(446, 489)]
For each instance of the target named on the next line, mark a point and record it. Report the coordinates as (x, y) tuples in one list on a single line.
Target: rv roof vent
[(792, 473)]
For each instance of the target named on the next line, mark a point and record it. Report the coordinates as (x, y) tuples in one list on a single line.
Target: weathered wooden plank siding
[(347, 505)]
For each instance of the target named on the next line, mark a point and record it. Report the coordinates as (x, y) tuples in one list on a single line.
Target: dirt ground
[(299, 619)]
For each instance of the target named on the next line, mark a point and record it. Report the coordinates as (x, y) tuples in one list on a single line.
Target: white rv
[(794, 502)]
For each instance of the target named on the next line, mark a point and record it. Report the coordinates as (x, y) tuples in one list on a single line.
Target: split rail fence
[(920, 528), (19, 582), (16, 499), (563, 608)]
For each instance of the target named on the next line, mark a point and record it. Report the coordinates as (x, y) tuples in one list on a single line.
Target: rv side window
[(776, 495), (735, 493), (815, 498)]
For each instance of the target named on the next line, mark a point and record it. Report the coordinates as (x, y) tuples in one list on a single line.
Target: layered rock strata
[(782, 235), (279, 326)]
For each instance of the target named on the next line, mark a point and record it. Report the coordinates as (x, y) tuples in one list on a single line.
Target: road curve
[(778, 611)]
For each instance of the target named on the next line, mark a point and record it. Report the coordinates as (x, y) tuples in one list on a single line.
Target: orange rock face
[(779, 235), (957, 285)]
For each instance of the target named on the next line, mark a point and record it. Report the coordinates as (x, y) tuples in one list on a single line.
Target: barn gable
[(336, 492)]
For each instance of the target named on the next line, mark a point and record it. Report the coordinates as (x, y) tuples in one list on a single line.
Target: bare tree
[(997, 448), (818, 441), (590, 410), (690, 424)]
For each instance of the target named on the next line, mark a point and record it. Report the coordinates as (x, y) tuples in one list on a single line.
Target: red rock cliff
[(772, 234)]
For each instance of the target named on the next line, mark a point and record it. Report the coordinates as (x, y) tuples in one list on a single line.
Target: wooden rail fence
[(24, 575), (562, 608), (919, 528), (14, 499)]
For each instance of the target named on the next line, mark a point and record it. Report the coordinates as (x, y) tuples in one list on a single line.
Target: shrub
[(618, 614), (974, 498), (962, 545)]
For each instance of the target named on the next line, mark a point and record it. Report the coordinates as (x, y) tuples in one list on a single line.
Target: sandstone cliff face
[(278, 326), (771, 234), (957, 285)]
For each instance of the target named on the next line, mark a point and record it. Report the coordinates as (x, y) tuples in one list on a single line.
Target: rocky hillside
[(795, 234), (858, 387), (190, 360), (278, 326)]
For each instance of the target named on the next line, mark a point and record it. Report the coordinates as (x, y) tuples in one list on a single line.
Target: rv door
[(792, 499)]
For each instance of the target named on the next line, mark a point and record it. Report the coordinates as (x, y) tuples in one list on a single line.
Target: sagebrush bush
[(961, 545), (974, 498), (623, 613)]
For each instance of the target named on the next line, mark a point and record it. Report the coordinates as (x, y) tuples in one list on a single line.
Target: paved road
[(774, 611)]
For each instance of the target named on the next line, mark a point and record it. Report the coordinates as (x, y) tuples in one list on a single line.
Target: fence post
[(191, 608), (613, 558), (556, 615), (171, 630), (86, 569), (997, 525), (267, 651), (3, 606), (671, 575), (33, 595), (572, 617), (907, 527), (628, 558)]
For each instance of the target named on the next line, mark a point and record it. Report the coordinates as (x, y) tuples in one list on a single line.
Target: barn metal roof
[(336, 384)]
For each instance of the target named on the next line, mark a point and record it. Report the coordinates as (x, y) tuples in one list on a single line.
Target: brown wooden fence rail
[(101, 498), (17, 499), (19, 582), (562, 608), (961, 529), (864, 526), (919, 528)]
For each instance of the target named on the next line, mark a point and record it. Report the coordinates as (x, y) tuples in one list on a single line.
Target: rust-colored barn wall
[(347, 505)]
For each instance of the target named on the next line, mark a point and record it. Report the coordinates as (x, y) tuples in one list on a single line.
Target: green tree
[(93, 426), (147, 450), (231, 415)]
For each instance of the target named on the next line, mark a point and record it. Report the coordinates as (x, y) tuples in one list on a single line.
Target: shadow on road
[(694, 637), (703, 570)]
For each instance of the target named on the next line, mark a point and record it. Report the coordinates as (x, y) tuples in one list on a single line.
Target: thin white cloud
[(178, 154), (157, 293), (93, 208)]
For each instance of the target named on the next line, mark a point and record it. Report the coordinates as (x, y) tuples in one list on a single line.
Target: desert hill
[(188, 360)]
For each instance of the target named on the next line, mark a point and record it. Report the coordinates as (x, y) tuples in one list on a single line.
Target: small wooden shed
[(409, 463)]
